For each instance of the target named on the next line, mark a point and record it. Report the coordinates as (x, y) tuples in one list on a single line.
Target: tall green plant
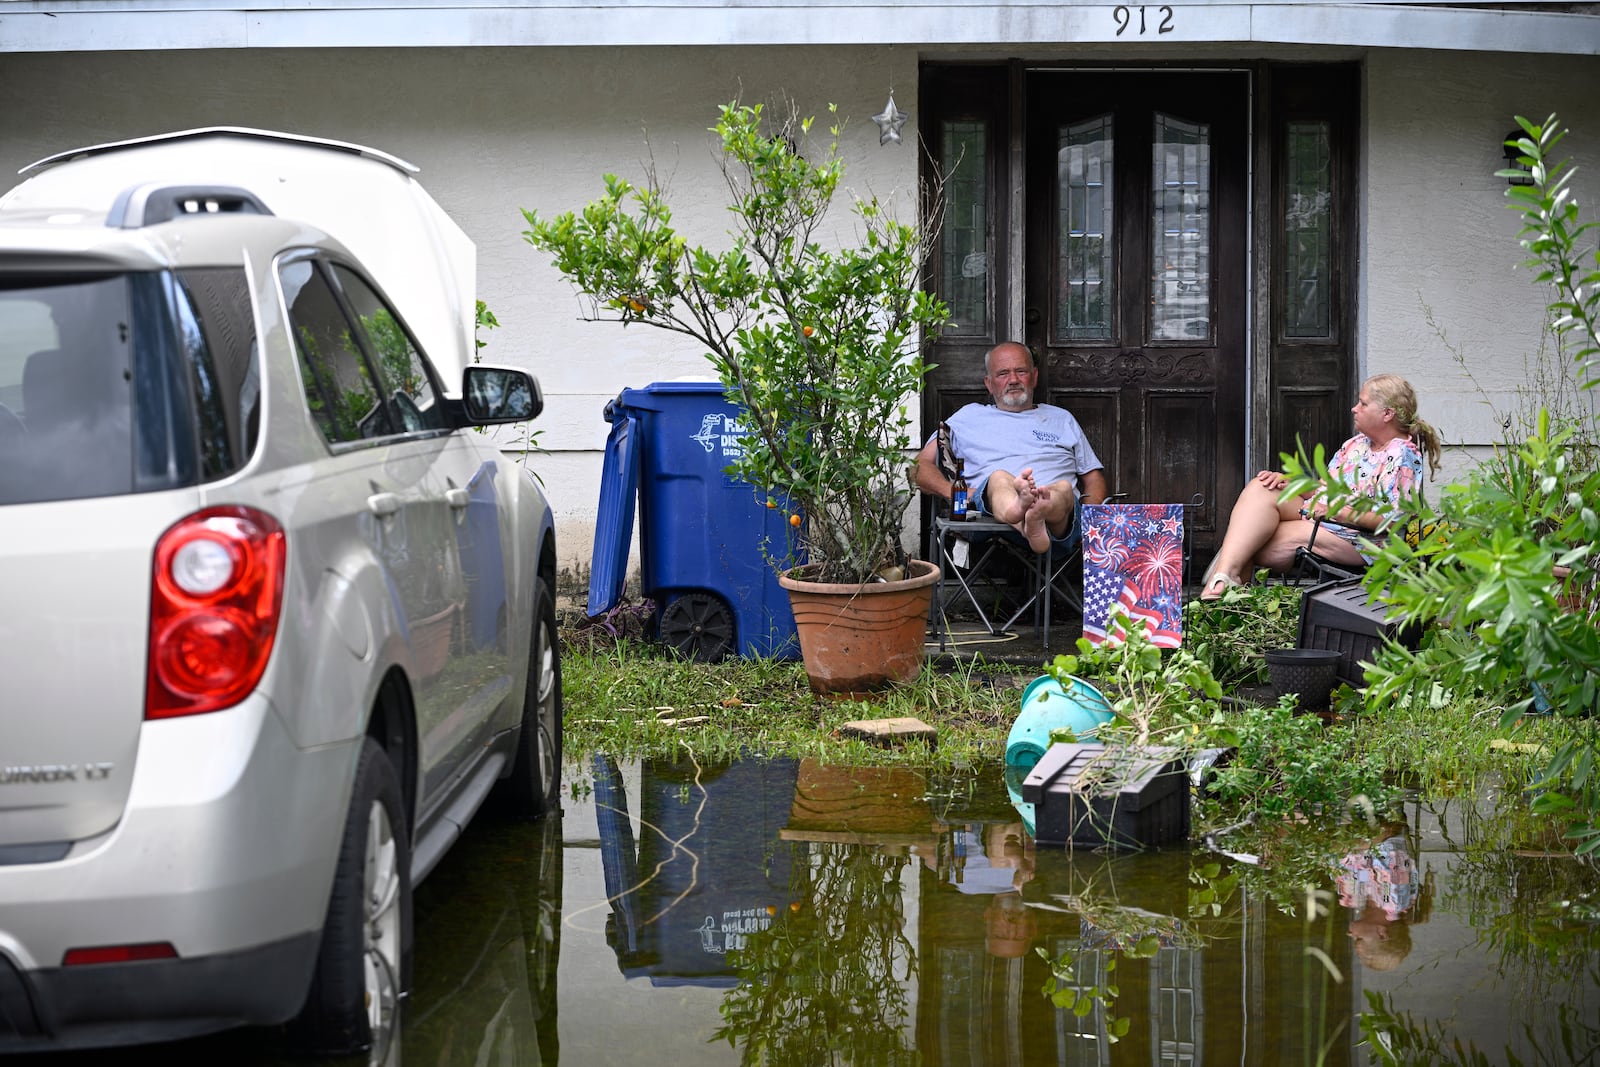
[(819, 345), (1506, 576), (1551, 233), (1233, 635)]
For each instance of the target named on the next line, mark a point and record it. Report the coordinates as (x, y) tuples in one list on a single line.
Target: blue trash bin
[(700, 531)]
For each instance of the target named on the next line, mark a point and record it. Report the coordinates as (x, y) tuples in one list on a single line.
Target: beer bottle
[(958, 493)]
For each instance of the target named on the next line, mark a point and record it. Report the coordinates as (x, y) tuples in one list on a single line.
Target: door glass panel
[(1083, 228), (413, 404), (1307, 230), (1180, 231), (964, 242), (339, 389)]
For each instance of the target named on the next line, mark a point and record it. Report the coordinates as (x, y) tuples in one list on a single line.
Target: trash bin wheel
[(698, 625)]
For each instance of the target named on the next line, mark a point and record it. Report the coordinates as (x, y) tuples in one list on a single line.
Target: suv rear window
[(114, 383)]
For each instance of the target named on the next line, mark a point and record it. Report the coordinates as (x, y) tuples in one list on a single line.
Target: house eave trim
[(162, 25)]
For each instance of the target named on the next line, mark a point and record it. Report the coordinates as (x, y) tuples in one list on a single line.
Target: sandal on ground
[(1218, 584)]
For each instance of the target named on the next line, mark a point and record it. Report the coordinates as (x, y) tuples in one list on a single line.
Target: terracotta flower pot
[(857, 638)]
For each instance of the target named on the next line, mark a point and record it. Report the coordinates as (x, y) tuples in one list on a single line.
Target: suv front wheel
[(533, 787)]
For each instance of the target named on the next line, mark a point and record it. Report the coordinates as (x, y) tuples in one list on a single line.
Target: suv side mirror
[(493, 395)]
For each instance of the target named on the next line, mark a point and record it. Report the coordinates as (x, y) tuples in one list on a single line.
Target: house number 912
[(1124, 16)]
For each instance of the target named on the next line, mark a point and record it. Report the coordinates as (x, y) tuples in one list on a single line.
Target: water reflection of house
[(1233, 992), (909, 916)]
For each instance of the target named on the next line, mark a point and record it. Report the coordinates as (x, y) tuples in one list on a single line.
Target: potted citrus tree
[(818, 340)]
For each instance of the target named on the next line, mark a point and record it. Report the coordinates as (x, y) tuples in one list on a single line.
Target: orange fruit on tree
[(794, 520)]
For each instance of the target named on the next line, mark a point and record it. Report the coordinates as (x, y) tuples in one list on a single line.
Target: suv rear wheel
[(362, 967)]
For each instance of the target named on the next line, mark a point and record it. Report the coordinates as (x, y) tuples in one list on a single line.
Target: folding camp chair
[(973, 552), (1314, 567), (977, 555), (1311, 566)]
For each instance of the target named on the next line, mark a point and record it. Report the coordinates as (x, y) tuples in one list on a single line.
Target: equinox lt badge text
[(55, 772)]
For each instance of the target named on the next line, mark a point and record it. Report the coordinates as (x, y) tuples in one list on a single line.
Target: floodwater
[(790, 913)]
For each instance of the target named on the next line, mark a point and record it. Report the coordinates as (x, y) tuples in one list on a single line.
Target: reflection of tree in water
[(1517, 884), (827, 981)]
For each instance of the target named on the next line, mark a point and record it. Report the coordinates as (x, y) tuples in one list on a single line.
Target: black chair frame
[(986, 536)]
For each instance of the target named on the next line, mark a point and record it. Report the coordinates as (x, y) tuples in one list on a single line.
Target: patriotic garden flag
[(1133, 566)]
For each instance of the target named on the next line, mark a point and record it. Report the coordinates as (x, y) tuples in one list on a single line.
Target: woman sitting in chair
[(1383, 461)]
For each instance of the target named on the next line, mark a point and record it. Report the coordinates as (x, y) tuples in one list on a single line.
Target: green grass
[(634, 699), (1453, 749)]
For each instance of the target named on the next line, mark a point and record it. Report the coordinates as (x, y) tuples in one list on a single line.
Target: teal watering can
[(1048, 705)]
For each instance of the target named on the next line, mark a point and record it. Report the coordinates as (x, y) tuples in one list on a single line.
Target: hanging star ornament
[(889, 122)]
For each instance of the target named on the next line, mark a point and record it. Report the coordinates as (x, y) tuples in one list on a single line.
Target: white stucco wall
[(1438, 240), (496, 130)]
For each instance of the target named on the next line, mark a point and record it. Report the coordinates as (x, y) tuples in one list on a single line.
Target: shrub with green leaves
[(1288, 764), (1233, 633), (818, 343), (1505, 579), (1283, 763)]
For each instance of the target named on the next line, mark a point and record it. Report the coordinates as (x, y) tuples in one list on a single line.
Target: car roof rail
[(152, 203)]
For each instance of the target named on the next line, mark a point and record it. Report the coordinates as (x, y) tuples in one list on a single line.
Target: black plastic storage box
[(1338, 616), (1093, 795)]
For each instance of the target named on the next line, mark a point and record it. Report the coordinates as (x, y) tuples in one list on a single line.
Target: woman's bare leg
[(1277, 555), (1255, 524)]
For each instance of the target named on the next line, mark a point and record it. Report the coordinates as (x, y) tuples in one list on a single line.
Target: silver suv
[(276, 612)]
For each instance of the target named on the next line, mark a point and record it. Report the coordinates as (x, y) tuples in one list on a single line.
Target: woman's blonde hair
[(1396, 394)]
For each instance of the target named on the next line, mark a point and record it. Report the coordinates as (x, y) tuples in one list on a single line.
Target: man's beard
[(1017, 399)]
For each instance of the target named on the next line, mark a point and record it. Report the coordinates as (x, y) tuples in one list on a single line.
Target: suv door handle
[(383, 505), (456, 498)]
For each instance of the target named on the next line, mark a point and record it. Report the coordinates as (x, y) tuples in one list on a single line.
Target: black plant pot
[(1307, 673)]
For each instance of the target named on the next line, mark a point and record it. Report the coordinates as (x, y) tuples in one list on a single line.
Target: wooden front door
[(1135, 262)]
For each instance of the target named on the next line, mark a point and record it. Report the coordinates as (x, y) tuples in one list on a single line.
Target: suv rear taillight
[(214, 600)]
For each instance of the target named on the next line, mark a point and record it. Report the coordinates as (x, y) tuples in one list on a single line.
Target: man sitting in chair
[(1023, 461)]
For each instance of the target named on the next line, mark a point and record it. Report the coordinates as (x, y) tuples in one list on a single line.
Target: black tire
[(363, 967), (533, 787)]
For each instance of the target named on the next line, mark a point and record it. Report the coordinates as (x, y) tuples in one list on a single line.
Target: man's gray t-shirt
[(1044, 437)]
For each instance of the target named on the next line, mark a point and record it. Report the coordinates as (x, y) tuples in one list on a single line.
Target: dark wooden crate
[(1092, 795)]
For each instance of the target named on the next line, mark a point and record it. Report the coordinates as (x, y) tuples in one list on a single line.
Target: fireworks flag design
[(1133, 566)]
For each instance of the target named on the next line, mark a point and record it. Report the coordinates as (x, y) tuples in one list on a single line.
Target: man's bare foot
[(1013, 498), (1034, 529)]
